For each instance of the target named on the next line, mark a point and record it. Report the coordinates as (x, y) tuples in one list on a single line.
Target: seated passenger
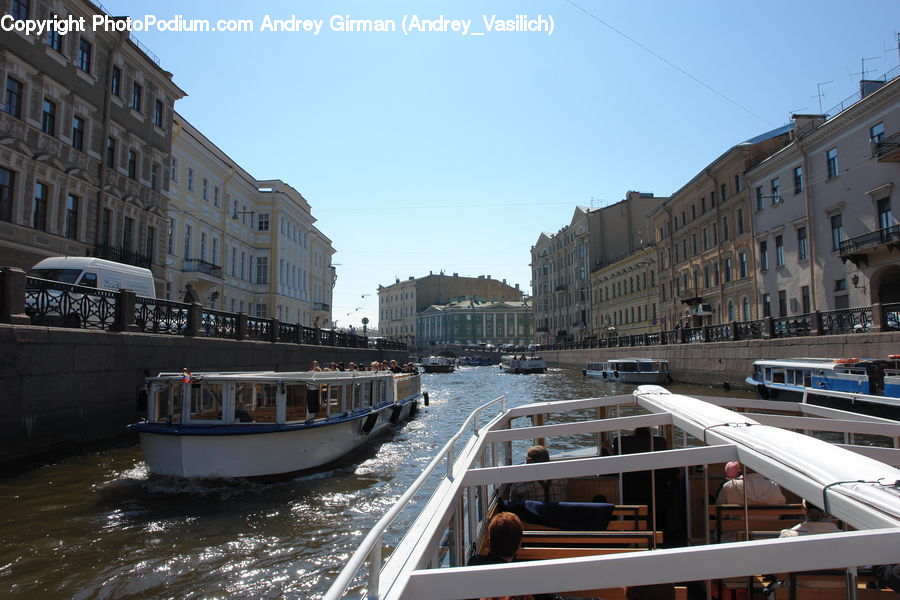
[(504, 537), (547, 490), (817, 521), (759, 488)]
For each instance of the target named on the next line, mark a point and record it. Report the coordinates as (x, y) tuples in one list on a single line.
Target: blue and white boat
[(869, 386), (630, 370), (267, 424)]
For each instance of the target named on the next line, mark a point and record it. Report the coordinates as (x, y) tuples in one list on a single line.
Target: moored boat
[(438, 364), (267, 424), (630, 370), (523, 364), (473, 361), (857, 484), (869, 386)]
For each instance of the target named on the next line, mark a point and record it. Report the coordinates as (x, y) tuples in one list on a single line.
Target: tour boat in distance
[(267, 424), (863, 385), (630, 370), (522, 364), (582, 548), (438, 364)]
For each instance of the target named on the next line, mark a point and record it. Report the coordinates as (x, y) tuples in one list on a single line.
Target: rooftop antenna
[(794, 112), (820, 93), (862, 73)]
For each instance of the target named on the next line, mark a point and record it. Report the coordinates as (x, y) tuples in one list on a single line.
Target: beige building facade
[(85, 139), (704, 240), (826, 230), (626, 296)]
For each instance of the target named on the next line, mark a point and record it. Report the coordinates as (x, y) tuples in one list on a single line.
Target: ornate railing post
[(704, 333), (12, 297), (815, 323), (733, 331), (276, 330), (768, 328), (125, 311), (242, 327), (877, 318), (195, 319)]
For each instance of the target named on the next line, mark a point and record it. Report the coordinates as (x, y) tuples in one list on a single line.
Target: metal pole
[(374, 570)]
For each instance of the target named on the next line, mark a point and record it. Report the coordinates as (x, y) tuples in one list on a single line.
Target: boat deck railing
[(371, 546)]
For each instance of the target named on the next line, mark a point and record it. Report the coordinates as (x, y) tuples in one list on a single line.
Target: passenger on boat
[(315, 366), (817, 521), (504, 538), (395, 368), (352, 367), (547, 490), (760, 489), (375, 366)]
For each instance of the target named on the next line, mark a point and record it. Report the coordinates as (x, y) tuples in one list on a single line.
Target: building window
[(737, 183), (764, 255), (712, 199), (111, 153), (703, 205), (760, 197), (72, 217), (190, 179), (782, 303), (137, 94), (204, 191), (128, 235), (694, 243), (885, 217), (7, 181), (766, 305), (173, 169), (745, 309), (798, 180), (54, 40), (727, 270), (85, 50), (840, 285), (115, 85), (19, 9), (804, 299), (203, 246), (154, 176), (12, 101), (48, 117), (262, 223), (837, 231), (831, 159), (77, 132), (188, 230), (724, 191), (132, 164), (705, 237), (215, 251), (216, 196), (779, 251), (158, 113), (724, 229), (171, 235), (743, 264), (693, 211), (262, 269), (104, 227), (39, 209), (740, 220), (706, 276), (151, 243), (876, 133), (802, 244), (776, 190)]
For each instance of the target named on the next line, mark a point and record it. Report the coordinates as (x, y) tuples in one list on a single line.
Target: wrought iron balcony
[(857, 249), (195, 265), (127, 257), (562, 287), (321, 306), (887, 149)]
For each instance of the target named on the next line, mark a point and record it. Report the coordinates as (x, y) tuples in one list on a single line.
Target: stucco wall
[(717, 363), (63, 389)]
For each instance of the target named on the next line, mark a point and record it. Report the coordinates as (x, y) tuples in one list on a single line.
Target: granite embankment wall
[(64, 390), (731, 362)]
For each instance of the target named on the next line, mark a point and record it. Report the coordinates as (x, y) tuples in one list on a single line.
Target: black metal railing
[(129, 257), (848, 320), (60, 304), (870, 240), (195, 265), (886, 145)]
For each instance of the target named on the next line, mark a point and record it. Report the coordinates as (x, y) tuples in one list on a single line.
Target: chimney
[(804, 124), (868, 86)]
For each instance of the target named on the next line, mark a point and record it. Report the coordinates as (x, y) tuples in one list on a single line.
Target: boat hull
[(865, 404), (263, 452), (438, 368), (619, 376)]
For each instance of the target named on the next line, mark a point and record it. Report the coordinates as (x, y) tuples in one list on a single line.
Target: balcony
[(127, 257), (321, 306), (195, 265), (887, 149), (857, 249), (562, 287)]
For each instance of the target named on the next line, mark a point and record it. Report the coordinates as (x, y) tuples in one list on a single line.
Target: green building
[(471, 320)]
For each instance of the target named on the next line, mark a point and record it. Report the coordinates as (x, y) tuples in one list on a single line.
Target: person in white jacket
[(760, 489), (817, 521)]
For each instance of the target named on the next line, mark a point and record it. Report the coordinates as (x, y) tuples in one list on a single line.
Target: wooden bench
[(625, 517), (559, 538), (731, 520)]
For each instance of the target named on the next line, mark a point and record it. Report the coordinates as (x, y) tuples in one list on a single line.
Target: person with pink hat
[(759, 489)]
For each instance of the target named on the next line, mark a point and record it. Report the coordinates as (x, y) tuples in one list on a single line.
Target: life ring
[(584, 372), (763, 391), (893, 356), (395, 413), (616, 373), (604, 374), (425, 397), (369, 424), (846, 361)]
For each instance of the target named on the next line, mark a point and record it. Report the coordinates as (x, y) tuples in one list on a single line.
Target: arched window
[(745, 309), (730, 310)]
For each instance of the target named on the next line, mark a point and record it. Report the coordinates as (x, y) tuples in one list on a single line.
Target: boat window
[(355, 393), (366, 397), (646, 367), (321, 404), (334, 399), (768, 373), (264, 406), (206, 401), (778, 376), (295, 402), (168, 403), (807, 378)]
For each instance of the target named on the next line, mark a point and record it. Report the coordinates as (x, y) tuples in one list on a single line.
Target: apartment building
[(401, 302), (626, 296), (823, 209), (704, 240), (241, 244), (87, 134), (469, 321), (561, 264)]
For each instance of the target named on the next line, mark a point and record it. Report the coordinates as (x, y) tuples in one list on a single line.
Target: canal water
[(97, 526)]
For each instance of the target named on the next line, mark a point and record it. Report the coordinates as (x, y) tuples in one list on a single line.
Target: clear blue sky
[(437, 151)]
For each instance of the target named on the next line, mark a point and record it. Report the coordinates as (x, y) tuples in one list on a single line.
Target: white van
[(96, 273)]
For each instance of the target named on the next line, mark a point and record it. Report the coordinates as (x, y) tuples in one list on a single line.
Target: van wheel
[(72, 321)]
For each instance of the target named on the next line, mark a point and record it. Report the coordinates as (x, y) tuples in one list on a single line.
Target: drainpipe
[(810, 235), (107, 101)]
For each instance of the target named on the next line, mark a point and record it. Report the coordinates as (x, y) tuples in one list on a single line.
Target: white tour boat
[(853, 476), (630, 370), (870, 386), (267, 424), (438, 364), (523, 364)]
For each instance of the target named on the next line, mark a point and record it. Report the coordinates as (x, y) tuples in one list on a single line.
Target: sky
[(430, 151)]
